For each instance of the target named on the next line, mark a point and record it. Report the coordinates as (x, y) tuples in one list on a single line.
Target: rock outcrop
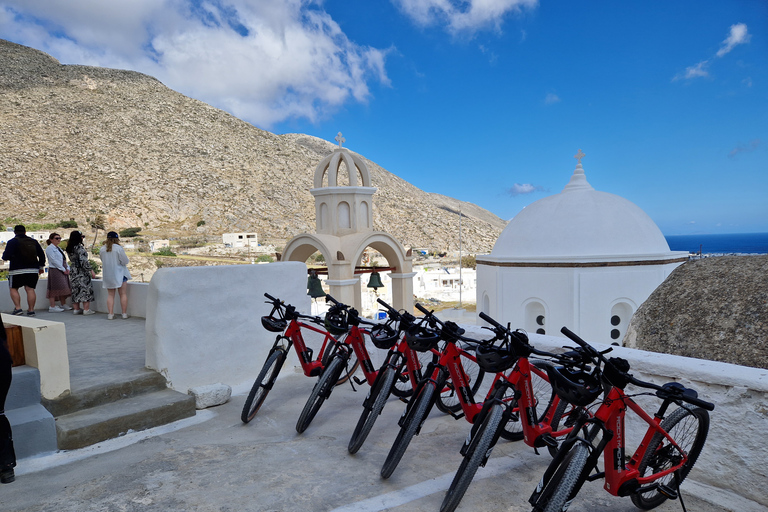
[(713, 308)]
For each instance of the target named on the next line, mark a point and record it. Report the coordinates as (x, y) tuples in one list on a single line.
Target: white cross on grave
[(340, 139), (578, 156)]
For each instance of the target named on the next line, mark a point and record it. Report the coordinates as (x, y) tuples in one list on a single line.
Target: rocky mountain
[(80, 141), (713, 308)]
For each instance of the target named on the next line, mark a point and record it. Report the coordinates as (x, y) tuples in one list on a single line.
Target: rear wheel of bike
[(542, 397), (320, 392), (418, 412), (403, 385), (476, 453), (689, 428), (263, 385), (565, 479), (350, 368), (379, 394), (448, 399)]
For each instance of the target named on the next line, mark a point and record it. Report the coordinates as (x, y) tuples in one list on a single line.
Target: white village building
[(240, 239), (583, 259)]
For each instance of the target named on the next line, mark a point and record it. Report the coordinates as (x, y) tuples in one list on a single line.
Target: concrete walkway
[(215, 463), (101, 351)]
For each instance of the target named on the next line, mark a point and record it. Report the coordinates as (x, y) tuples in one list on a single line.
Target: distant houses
[(240, 239)]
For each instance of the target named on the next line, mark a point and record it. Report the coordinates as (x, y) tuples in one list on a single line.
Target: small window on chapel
[(615, 320), (615, 334), (540, 320)]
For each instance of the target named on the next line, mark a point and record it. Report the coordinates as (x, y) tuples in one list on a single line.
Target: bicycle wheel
[(378, 397), (320, 392), (263, 385), (565, 479), (419, 411), (477, 452), (448, 400), (543, 394), (689, 428), (403, 385)]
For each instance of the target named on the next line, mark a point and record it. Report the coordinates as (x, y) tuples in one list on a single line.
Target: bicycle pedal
[(667, 491)]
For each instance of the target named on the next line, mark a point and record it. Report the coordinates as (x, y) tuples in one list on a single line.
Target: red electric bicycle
[(665, 456), (287, 322)]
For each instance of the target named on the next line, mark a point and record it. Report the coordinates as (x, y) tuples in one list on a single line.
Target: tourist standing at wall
[(27, 263), (80, 274), (115, 273), (7, 455), (58, 272)]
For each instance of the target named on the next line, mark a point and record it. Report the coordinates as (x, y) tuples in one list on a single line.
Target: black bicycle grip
[(688, 396), (271, 297), (490, 320), (577, 339), (329, 298), (423, 309), (386, 306)]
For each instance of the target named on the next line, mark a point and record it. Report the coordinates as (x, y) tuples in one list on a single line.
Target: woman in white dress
[(115, 273)]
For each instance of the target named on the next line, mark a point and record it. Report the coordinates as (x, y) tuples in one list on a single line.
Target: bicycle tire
[(543, 395), (565, 479), (263, 385), (478, 450), (448, 400), (379, 395), (689, 428), (419, 412), (320, 392)]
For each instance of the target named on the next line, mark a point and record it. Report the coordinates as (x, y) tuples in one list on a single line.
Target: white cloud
[(738, 35), (551, 99), (262, 61), (462, 16), (519, 189)]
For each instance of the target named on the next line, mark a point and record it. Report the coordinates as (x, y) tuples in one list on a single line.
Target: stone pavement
[(215, 463)]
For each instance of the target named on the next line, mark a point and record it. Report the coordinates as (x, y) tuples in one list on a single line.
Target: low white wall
[(204, 323), (735, 452), (137, 298)]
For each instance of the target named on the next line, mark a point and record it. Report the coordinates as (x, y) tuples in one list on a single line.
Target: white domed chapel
[(583, 259)]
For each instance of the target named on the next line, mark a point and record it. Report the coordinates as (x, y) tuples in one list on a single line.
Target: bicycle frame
[(293, 336), (356, 340), (623, 479)]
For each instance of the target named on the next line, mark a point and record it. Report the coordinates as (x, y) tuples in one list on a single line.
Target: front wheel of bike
[(378, 397), (477, 452), (263, 385), (565, 479), (413, 420), (689, 428), (320, 392)]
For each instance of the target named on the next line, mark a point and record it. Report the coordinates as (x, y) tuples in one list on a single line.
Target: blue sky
[(486, 101)]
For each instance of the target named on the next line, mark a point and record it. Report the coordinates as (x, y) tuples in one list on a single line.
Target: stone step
[(34, 430), (144, 381), (25, 388), (95, 424)]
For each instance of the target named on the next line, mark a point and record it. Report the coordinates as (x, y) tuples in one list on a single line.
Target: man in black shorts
[(27, 263)]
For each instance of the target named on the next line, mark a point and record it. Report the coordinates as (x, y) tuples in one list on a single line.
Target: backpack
[(28, 249)]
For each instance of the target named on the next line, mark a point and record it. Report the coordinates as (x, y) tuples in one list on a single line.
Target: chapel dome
[(580, 222)]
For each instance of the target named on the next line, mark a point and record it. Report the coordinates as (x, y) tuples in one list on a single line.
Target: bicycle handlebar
[(670, 390)]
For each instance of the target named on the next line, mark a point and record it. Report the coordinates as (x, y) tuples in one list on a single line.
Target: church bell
[(314, 286), (375, 281)]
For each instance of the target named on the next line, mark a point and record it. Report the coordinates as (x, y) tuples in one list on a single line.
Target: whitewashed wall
[(204, 323), (735, 453)]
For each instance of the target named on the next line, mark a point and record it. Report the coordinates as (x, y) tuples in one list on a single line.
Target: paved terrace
[(213, 462)]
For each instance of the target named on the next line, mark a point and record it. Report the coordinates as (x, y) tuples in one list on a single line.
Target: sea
[(742, 243)]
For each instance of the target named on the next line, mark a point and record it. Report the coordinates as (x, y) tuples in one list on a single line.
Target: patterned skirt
[(58, 284)]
